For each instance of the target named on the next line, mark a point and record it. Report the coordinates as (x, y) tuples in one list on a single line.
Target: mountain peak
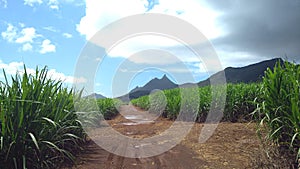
[(156, 83), (96, 96), (164, 77)]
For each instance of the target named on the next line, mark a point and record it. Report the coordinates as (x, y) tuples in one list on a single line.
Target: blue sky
[(54, 33), (38, 35)]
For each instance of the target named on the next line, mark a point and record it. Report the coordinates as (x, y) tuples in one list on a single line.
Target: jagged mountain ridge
[(159, 84)]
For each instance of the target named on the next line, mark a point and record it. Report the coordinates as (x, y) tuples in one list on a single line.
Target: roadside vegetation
[(91, 112), (279, 114), (39, 127), (239, 101)]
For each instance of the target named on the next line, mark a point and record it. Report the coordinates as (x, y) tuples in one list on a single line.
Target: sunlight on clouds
[(194, 12), (47, 47), (101, 13)]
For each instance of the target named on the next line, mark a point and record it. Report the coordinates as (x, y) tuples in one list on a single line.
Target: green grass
[(38, 124)]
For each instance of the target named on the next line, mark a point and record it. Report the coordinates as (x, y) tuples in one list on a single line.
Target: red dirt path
[(231, 146)]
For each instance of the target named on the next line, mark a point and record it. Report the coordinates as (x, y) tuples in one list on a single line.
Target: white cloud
[(50, 28), (138, 43), (3, 3), (79, 80), (154, 57), (47, 47), (10, 68), (22, 25), (238, 59), (74, 2), (53, 74), (10, 34), (98, 84), (102, 12), (194, 12), (27, 35), (98, 59), (14, 67), (32, 2), (27, 47), (67, 35), (145, 50), (53, 4)]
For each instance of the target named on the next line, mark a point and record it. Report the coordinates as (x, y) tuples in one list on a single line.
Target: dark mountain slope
[(247, 74)]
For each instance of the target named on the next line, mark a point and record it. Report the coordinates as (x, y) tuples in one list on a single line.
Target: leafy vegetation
[(38, 125), (279, 109), (239, 102), (109, 107)]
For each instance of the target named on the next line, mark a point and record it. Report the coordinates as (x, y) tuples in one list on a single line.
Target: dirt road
[(231, 146)]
